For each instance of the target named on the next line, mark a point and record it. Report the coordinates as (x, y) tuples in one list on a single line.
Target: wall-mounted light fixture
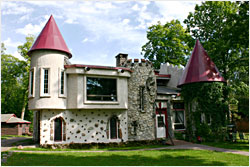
[(86, 68), (120, 71)]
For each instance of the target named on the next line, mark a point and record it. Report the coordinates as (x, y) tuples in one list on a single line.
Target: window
[(178, 105), (160, 121), (62, 82), (45, 82), (113, 128), (32, 82), (179, 120), (101, 89), (142, 98)]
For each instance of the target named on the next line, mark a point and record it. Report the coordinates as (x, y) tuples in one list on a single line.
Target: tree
[(23, 50), (223, 30), (167, 43), (15, 80), (12, 70)]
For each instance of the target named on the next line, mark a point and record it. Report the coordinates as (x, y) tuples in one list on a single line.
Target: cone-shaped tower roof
[(200, 68), (50, 38)]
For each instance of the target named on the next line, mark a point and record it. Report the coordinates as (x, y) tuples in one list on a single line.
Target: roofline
[(97, 67), (68, 53), (11, 117), (18, 122)]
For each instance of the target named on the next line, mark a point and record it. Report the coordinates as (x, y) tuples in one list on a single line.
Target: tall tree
[(15, 80), (12, 72), (223, 29), (167, 43), (23, 50)]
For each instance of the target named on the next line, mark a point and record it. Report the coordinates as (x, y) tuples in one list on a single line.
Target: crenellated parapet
[(173, 70)]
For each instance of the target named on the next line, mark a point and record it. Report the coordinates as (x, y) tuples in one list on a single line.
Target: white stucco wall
[(76, 89), (82, 126), (54, 61)]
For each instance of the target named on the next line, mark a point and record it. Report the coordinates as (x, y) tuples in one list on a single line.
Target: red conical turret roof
[(200, 68), (50, 38)]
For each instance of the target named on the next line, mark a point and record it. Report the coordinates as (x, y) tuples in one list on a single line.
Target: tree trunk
[(24, 104)]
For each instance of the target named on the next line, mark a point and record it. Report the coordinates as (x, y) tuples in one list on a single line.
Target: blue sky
[(95, 32)]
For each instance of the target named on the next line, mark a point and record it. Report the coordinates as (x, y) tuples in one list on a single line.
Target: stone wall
[(82, 126), (141, 98)]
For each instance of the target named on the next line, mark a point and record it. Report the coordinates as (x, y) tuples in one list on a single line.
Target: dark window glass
[(160, 121), (58, 129), (178, 105), (113, 128), (31, 82), (101, 89), (142, 97), (46, 81), (62, 82)]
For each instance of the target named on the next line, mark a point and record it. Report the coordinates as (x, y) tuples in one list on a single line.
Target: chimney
[(121, 58)]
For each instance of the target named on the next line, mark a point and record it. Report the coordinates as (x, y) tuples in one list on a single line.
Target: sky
[(94, 31)]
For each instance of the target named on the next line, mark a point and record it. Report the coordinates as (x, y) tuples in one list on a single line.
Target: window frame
[(42, 94), (184, 118), (86, 101), (32, 94), (64, 95)]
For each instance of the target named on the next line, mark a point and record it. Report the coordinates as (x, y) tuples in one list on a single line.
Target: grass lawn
[(130, 158), (95, 148), (11, 136), (239, 145)]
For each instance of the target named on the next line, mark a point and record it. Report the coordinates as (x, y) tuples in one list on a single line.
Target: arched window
[(113, 128), (58, 129)]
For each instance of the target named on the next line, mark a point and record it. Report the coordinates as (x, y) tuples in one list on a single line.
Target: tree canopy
[(223, 29), (167, 43), (15, 80)]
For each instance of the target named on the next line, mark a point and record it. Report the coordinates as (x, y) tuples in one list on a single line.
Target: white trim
[(34, 78), (64, 95), (42, 94)]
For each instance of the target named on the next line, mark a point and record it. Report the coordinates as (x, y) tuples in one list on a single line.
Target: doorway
[(161, 123), (58, 129)]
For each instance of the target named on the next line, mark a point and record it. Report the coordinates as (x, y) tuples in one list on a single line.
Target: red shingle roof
[(50, 38), (200, 68)]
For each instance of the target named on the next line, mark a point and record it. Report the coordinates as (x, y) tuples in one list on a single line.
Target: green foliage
[(205, 98), (15, 80), (12, 90), (167, 43), (223, 29)]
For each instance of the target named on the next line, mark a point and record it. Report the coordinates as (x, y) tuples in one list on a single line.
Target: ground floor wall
[(11, 129), (81, 126)]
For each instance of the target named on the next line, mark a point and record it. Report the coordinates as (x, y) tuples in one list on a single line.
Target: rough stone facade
[(82, 126), (141, 98)]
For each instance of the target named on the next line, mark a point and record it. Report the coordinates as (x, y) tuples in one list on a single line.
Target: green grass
[(239, 145), (94, 148), (130, 158), (11, 136)]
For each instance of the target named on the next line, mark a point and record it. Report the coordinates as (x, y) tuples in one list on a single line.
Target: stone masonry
[(141, 98)]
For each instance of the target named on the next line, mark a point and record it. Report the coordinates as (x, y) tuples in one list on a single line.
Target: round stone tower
[(47, 83)]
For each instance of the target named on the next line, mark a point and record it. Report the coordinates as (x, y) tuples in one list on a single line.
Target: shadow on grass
[(239, 145), (136, 158)]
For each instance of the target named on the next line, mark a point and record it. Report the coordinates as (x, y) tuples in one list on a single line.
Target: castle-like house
[(76, 103)]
